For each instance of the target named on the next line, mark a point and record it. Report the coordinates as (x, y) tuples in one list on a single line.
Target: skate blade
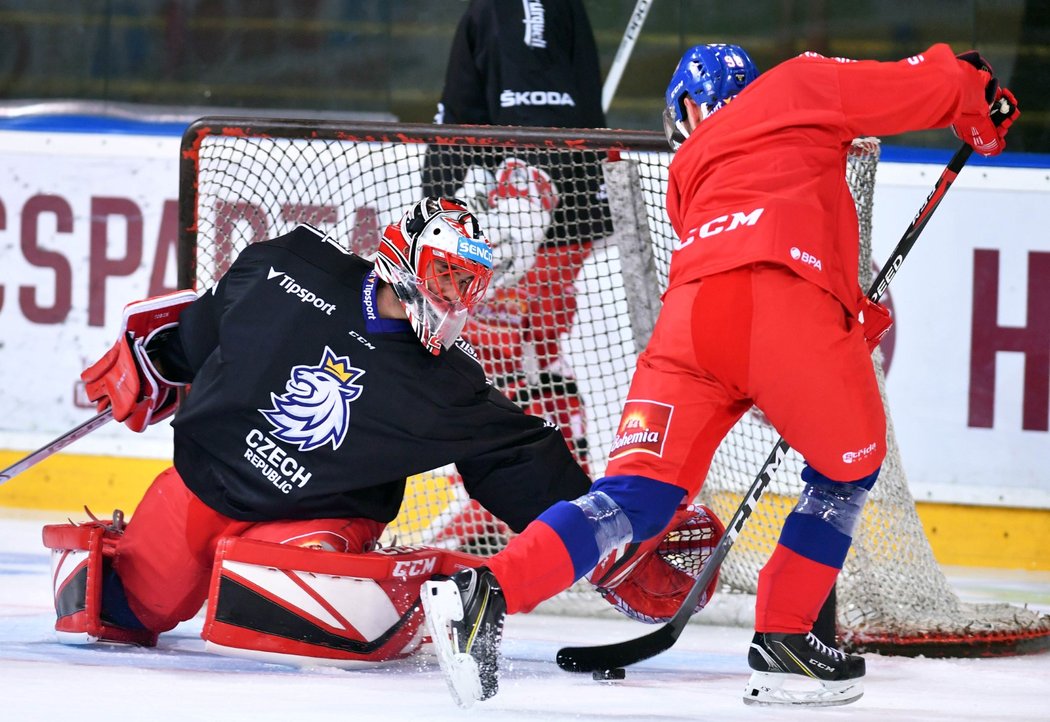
[(442, 606), (771, 688), (75, 638)]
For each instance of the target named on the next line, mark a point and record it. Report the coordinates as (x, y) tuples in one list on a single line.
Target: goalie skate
[(799, 669), (464, 615)]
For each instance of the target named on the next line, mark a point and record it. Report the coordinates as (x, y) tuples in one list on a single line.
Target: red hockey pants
[(753, 335), (165, 557), (762, 335)]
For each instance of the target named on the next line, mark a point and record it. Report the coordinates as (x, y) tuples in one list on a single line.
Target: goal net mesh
[(583, 247)]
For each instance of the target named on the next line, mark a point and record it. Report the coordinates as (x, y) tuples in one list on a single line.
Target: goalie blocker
[(126, 379)]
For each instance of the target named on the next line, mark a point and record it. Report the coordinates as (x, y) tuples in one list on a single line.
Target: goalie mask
[(709, 74), (439, 264)]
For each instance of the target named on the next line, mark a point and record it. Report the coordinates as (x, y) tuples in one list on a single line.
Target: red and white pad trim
[(293, 605), (77, 552)]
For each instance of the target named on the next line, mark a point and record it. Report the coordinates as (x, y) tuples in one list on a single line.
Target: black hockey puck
[(606, 675)]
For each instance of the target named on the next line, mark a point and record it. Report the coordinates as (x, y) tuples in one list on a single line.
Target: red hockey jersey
[(762, 180)]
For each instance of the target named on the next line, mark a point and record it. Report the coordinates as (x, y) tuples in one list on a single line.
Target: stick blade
[(618, 654)]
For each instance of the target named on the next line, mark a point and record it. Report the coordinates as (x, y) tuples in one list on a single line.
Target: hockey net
[(584, 248)]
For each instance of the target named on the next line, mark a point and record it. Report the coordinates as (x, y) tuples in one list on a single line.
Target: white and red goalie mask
[(439, 264)]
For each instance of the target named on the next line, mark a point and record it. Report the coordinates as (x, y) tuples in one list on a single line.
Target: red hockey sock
[(791, 591), (533, 567)]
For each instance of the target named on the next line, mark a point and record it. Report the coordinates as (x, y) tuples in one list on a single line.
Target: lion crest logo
[(315, 408)]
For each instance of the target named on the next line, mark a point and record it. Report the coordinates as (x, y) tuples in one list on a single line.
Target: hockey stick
[(623, 53), (58, 444), (631, 651)]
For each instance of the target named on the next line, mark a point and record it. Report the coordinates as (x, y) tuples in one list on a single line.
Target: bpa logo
[(804, 256)]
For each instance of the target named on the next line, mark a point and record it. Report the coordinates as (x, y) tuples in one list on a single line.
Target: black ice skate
[(799, 669), (464, 614)]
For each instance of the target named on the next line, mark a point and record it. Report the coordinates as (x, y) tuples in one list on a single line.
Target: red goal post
[(581, 294)]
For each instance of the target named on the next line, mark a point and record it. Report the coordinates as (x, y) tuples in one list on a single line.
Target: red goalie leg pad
[(533, 567), (791, 591), (77, 571), (302, 606)]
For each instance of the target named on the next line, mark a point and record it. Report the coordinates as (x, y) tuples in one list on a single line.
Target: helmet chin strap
[(683, 128)]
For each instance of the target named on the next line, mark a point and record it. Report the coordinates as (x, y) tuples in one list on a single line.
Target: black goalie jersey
[(306, 404)]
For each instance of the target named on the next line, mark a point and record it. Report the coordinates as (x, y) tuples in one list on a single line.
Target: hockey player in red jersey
[(763, 308), (319, 382)]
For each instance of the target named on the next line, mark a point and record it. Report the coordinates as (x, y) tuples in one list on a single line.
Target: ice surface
[(702, 677)]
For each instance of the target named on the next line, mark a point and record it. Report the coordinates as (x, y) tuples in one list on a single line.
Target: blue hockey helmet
[(709, 74)]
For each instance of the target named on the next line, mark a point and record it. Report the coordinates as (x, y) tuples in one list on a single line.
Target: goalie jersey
[(305, 403)]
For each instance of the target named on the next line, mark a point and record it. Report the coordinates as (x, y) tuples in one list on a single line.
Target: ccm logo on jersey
[(290, 286), (512, 98), (362, 340), (806, 257), (643, 428), (721, 224)]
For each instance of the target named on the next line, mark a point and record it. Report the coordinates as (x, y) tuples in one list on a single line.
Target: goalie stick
[(57, 445), (631, 651)]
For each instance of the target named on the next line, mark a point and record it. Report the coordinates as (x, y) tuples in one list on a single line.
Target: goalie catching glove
[(649, 581), (125, 378)]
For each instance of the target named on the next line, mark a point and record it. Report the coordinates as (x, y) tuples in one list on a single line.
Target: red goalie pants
[(165, 556), (754, 335)]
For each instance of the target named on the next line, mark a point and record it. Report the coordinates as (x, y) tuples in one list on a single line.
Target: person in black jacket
[(526, 64), (320, 381), (532, 63), (523, 64)]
